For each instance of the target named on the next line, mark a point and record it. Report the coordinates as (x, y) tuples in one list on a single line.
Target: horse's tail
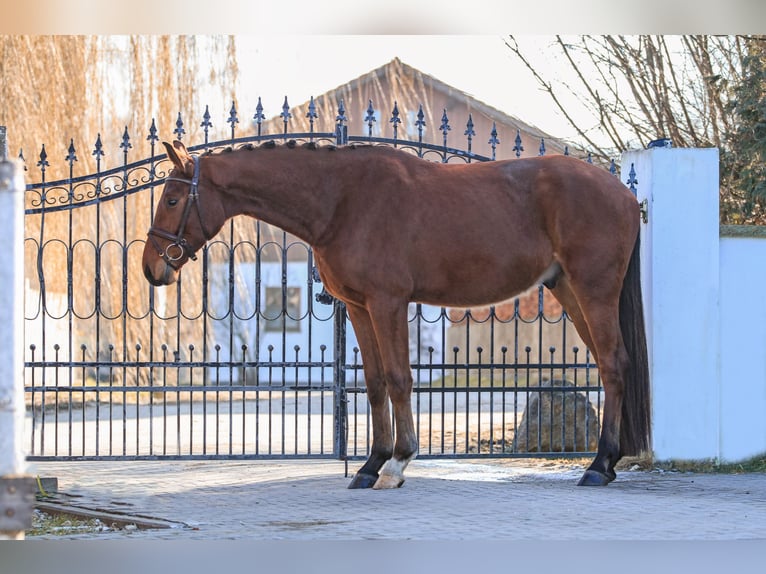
[(635, 429)]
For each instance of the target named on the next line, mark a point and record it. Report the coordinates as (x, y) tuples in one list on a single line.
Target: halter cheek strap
[(178, 246)]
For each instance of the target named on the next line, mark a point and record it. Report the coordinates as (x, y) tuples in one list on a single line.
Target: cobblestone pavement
[(441, 500)]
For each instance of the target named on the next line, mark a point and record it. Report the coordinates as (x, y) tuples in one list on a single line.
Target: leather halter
[(179, 247)]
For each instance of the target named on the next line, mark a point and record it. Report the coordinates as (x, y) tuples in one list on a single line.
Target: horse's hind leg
[(564, 295), (596, 317), (377, 395), (613, 363)]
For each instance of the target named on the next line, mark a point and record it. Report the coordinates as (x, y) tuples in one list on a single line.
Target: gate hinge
[(644, 209), (324, 297)]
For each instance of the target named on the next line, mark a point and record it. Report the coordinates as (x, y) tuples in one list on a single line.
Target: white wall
[(743, 347), (706, 326)]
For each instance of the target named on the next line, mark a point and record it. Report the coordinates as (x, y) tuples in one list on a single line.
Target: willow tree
[(75, 98)]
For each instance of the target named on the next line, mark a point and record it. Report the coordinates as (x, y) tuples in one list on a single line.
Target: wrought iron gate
[(255, 360)]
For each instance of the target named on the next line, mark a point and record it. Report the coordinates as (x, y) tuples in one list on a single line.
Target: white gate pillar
[(16, 489), (680, 280)]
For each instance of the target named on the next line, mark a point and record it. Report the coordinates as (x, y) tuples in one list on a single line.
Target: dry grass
[(51, 525), (755, 464)]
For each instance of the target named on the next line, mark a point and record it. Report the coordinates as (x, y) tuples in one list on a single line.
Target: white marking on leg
[(392, 473)]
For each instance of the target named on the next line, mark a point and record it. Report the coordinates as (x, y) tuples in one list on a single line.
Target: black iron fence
[(247, 356)]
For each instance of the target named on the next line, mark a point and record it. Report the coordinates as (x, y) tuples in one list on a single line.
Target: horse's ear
[(178, 155)]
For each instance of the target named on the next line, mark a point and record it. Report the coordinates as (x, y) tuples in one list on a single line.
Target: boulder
[(557, 420)]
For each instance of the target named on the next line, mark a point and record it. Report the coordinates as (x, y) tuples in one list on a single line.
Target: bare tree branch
[(605, 118), (548, 88), (647, 86)]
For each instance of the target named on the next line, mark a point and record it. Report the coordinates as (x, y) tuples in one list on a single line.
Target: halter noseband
[(179, 246)]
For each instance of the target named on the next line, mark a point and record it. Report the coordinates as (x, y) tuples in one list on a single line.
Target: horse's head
[(181, 224)]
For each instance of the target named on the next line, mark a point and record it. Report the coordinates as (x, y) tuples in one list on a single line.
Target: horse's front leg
[(389, 319), (377, 395)]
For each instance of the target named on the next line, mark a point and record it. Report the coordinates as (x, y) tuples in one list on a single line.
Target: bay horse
[(388, 228)]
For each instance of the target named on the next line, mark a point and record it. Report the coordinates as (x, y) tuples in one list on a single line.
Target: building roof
[(398, 84)]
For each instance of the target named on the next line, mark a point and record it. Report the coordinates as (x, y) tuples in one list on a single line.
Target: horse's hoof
[(363, 480), (387, 481), (595, 478)]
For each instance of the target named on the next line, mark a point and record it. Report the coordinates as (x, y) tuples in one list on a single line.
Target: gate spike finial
[(518, 148), (493, 139), (469, 128), (395, 119), (206, 123), (370, 118), (420, 123), (98, 150), (125, 145), (152, 137), (285, 115), (312, 114), (632, 180), (179, 131), (469, 133), (233, 119), (259, 117), (71, 155), (341, 129), (341, 117), (445, 127), (43, 163)]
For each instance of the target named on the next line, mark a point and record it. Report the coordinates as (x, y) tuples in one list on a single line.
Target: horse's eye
[(172, 202)]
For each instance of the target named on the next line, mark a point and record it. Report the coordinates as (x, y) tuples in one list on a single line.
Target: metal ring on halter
[(181, 251)]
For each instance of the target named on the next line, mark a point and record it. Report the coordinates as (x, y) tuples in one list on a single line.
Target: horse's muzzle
[(167, 277)]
